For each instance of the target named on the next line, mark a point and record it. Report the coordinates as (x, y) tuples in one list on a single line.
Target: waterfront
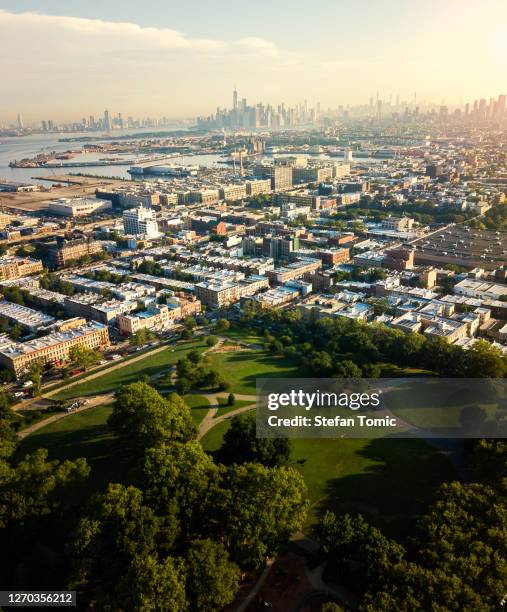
[(16, 148), (19, 147)]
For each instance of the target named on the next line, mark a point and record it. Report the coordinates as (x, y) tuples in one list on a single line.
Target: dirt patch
[(286, 586), (229, 348)]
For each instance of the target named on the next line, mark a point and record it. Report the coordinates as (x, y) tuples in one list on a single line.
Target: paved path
[(93, 401), (212, 417)]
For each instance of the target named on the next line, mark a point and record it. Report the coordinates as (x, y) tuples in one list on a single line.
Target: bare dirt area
[(34, 201)]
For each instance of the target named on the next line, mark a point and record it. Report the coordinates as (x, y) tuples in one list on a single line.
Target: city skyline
[(119, 56)]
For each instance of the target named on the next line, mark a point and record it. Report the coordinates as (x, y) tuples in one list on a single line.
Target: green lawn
[(385, 479), (199, 406), (244, 335), (84, 434), (242, 368), (225, 408), (212, 441), (150, 366)]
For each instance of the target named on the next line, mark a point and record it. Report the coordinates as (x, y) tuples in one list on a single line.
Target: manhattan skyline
[(158, 59)]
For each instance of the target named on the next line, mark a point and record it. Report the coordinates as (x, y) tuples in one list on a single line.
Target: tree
[(8, 437), (16, 331), (190, 323), (241, 444), (33, 486), (194, 357), (151, 584), (231, 399), (213, 380), (212, 580), (347, 369), (141, 337), (211, 341), (177, 480), (83, 356), (255, 510), (118, 528), (222, 325), (357, 552), (143, 418), (34, 374), (485, 361)]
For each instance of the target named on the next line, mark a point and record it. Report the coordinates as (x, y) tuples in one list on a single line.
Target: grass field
[(386, 480), (198, 405), (225, 408), (150, 366), (242, 368), (84, 434), (244, 335), (212, 441)]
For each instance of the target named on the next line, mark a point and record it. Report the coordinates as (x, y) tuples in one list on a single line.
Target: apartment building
[(93, 307), (298, 269), (67, 250), (399, 259), (258, 187), (280, 176), (397, 224), (32, 320), (12, 267), (5, 220), (140, 221), (159, 317), (431, 326), (232, 192), (333, 257), (55, 347), (311, 174), (202, 196), (221, 292), (298, 198)]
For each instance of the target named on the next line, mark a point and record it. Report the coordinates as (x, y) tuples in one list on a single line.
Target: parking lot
[(463, 246)]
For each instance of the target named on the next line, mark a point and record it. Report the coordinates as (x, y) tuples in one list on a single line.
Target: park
[(386, 480)]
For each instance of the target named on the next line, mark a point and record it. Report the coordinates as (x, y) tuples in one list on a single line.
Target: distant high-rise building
[(500, 107), (106, 123), (235, 99), (20, 122)]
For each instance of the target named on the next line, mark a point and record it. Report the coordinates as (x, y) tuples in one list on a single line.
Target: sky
[(64, 59)]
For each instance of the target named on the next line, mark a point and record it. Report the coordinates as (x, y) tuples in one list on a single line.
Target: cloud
[(69, 63), (109, 35)]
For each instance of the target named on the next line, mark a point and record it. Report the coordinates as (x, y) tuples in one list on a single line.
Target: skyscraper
[(20, 122), (235, 99), (106, 121)]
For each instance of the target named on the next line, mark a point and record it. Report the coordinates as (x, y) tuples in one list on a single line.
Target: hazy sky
[(63, 59)]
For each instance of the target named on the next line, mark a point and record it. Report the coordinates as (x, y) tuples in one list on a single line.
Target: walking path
[(212, 417), (93, 401)]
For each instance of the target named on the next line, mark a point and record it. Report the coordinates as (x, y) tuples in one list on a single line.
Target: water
[(21, 147), (29, 146)]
